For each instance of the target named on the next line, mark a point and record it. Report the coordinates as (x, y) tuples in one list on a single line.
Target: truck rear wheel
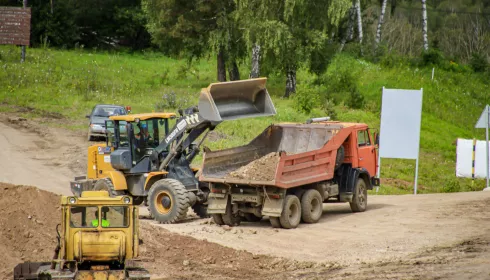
[(359, 199), (168, 201), (201, 210), (291, 212), (249, 217), (311, 206), (229, 218), (107, 185), (275, 223), (218, 219)]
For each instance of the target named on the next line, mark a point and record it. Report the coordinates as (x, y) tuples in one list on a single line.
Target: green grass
[(70, 83)]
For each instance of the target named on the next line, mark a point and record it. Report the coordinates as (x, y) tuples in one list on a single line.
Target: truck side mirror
[(87, 116), (376, 139)]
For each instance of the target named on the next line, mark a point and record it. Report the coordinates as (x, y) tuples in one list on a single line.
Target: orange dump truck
[(289, 171)]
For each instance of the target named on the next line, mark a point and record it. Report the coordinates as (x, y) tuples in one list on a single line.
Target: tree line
[(271, 35)]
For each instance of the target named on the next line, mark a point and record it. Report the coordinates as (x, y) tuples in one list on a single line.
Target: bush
[(171, 100), (479, 62), (433, 57), (328, 107), (342, 81), (305, 99)]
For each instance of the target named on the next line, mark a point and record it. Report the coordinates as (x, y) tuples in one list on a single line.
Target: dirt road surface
[(443, 236)]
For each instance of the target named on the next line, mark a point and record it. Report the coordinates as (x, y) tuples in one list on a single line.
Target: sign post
[(401, 117), (15, 27), (484, 122)]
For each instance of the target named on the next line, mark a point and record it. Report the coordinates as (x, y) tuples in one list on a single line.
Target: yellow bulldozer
[(99, 239), (148, 156)]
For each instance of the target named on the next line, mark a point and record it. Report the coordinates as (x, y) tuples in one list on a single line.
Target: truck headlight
[(127, 200), (72, 200)]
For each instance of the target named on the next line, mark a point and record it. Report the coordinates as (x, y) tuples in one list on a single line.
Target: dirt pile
[(27, 226), (27, 233), (262, 169), (169, 255)]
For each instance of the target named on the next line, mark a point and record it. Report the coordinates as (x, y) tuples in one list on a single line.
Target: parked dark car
[(99, 115)]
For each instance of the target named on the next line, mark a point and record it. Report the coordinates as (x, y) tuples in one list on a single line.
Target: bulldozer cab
[(99, 228)]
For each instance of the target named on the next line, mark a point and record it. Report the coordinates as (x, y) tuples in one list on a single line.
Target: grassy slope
[(71, 82)]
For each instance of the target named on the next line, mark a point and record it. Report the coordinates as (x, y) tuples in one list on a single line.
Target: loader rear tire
[(311, 206), (168, 201), (229, 218), (107, 185), (359, 199), (218, 219), (291, 212), (275, 223)]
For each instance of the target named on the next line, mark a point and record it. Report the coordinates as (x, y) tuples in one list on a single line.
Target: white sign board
[(401, 115), (464, 159), (483, 120)]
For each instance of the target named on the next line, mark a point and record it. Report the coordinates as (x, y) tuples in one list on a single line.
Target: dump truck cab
[(98, 238)]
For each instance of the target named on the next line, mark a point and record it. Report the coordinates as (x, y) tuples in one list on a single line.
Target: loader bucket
[(236, 100)]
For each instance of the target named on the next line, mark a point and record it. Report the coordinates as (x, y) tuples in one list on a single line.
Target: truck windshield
[(88, 217)]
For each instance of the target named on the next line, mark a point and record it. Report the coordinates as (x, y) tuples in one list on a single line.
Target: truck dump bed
[(284, 155)]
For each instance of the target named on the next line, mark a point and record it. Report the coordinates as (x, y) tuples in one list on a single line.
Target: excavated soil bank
[(27, 233)]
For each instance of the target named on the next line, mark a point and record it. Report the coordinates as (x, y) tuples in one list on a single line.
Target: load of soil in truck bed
[(262, 169)]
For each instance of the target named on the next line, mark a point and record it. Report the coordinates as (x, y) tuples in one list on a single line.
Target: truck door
[(366, 152)]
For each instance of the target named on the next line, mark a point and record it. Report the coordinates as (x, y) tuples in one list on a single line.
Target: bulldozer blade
[(236, 100)]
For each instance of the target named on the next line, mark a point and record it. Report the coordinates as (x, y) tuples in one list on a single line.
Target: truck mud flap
[(217, 203), (272, 207)]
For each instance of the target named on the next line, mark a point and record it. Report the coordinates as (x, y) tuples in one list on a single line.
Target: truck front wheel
[(168, 201), (291, 212), (359, 199), (311, 206)]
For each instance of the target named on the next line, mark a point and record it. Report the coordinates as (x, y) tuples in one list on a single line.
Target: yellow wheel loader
[(148, 156), (99, 239)]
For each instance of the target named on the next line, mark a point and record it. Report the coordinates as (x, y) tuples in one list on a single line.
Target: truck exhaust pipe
[(236, 100)]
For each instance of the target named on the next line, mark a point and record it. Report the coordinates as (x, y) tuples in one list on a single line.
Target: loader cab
[(134, 137), (95, 221)]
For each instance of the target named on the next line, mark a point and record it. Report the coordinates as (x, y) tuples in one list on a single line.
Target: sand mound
[(262, 169)]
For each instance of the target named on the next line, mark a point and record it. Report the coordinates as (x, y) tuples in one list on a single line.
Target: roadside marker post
[(484, 122)]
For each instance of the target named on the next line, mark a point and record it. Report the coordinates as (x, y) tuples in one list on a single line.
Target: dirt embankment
[(27, 233), (261, 169), (27, 226)]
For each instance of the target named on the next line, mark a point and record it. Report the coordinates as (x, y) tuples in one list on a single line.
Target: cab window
[(363, 138), (116, 216), (83, 217)]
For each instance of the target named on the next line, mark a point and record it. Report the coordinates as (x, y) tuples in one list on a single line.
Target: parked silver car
[(99, 115)]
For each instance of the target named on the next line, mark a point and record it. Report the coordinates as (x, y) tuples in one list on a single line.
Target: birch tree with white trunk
[(380, 22), (424, 25), (359, 20)]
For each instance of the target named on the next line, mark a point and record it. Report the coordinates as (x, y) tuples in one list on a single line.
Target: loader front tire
[(107, 185), (168, 201)]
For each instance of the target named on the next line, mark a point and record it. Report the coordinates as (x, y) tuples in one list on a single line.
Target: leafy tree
[(192, 28), (290, 31)]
